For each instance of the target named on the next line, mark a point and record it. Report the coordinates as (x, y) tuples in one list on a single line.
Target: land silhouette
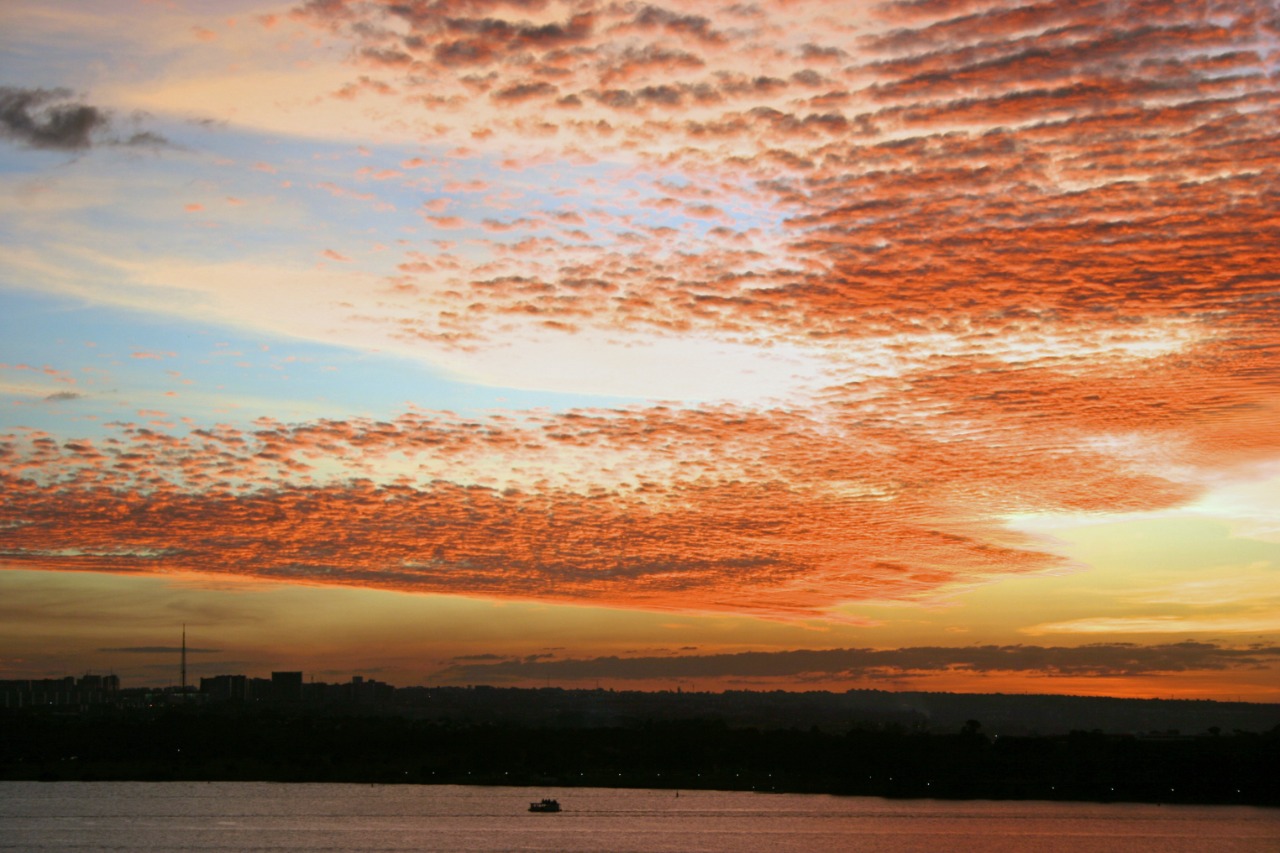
[(600, 738)]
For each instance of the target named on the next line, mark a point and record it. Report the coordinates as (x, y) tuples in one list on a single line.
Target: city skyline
[(919, 345)]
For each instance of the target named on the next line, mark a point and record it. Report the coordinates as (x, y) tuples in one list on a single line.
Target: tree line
[(191, 744)]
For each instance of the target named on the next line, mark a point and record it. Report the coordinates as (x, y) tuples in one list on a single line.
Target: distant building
[(104, 683), (65, 692), (226, 688), (370, 692), (286, 686)]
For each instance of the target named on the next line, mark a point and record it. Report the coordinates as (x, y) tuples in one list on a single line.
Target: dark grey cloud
[(1101, 659), (525, 91), (145, 139), (59, 396), (37, 118), (49, 119), (159, 650)]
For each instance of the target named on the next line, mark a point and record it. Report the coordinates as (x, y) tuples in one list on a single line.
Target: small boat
[(545, 805)]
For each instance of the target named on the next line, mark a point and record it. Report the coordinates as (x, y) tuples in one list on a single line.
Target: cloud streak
[(159, 650), (1105, 660)]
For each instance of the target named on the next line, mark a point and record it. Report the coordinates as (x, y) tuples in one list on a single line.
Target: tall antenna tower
[(184, 661)]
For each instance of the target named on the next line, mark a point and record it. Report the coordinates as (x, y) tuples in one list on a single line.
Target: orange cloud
[(802, 522), (1032, 246)]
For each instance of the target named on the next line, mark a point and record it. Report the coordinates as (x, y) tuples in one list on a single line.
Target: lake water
[(263, 816)]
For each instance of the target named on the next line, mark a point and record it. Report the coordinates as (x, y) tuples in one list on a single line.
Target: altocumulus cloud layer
[(1031, 247)]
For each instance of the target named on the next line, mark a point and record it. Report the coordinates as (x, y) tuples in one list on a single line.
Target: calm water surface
[(252, 816)]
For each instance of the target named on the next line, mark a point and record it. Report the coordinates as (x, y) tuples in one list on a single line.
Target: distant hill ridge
[(1008, 714)]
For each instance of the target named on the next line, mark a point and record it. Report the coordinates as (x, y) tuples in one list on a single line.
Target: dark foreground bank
[(190, 744)]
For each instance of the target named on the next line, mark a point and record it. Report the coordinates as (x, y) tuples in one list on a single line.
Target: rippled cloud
[(989, 259)]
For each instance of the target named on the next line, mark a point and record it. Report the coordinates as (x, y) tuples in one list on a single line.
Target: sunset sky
[(928, 345)]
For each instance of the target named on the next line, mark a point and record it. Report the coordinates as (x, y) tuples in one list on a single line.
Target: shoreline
[(559, 789)]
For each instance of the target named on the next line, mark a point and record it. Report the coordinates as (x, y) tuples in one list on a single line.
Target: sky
[(918, 345)]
